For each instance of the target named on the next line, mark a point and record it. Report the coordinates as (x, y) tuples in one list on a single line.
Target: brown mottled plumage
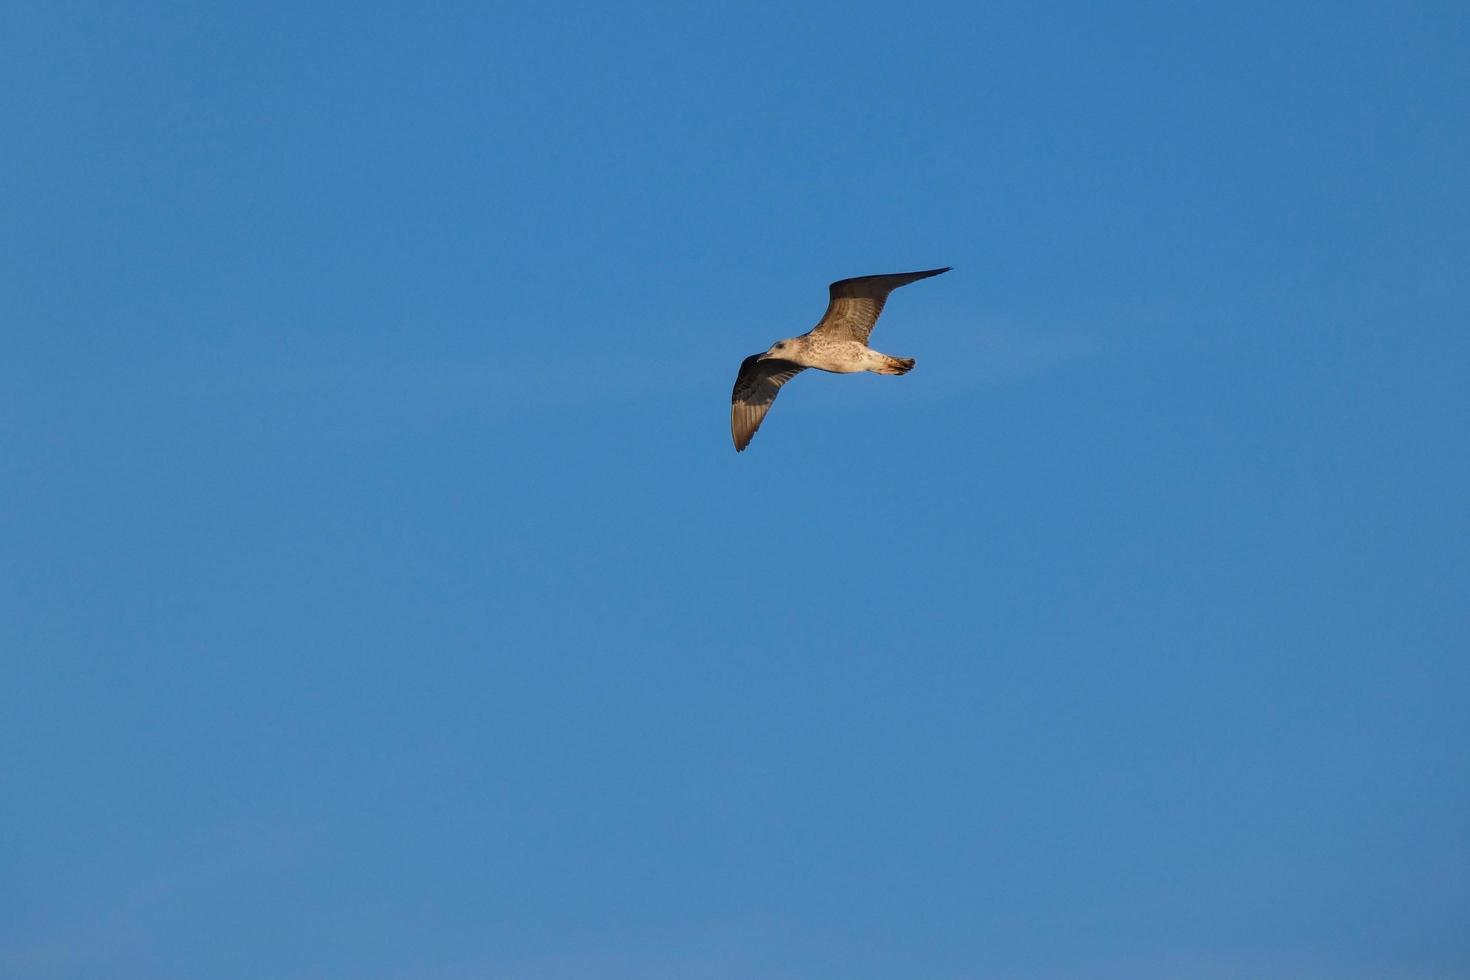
[(838, 343)]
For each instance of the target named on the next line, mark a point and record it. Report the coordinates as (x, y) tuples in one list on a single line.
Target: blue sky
[(381, 596)]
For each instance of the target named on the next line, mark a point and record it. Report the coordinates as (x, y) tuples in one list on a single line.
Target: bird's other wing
[(856, 303), (756, 386)]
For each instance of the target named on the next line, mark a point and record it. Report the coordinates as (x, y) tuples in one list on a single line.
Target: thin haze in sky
[(381, 596)]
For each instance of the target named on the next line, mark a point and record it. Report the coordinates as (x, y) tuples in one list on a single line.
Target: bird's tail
[(896, 365)]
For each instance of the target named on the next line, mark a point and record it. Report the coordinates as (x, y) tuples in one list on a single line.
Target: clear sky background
[(383, 598)]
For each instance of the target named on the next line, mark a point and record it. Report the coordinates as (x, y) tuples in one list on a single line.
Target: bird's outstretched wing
[(856, 303), (756, 386)]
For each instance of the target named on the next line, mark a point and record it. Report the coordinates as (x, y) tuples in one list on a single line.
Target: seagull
[(838, 343)]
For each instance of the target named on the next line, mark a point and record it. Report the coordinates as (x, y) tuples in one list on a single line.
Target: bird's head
[(781, 348)]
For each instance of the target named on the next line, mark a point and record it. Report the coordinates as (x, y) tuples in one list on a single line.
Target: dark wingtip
[(925, 274)]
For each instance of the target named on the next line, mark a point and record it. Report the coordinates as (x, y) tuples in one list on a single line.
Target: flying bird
[(838, 343)]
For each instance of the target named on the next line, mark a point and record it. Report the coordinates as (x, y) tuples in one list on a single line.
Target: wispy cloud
[(750, 946), (102, 935), (997, 352)]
